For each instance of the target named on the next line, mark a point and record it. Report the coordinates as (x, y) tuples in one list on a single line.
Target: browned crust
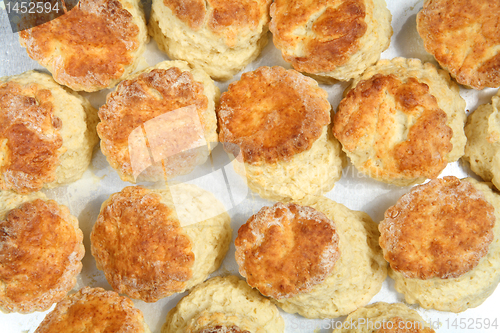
[(272, 114), (138, 242), (223, 329), (368, 116), (33, 144), (286, 249), (94, 310), (40, 255), (87, 48), (143, 98), (440, 229), (461, 35), (400, 325), (335, 33)]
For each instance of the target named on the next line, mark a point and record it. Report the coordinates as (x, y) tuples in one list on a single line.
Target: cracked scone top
[(401, 122), (94, 310), (41, 248), (93, 46), (276, 122), (334, 38), (464, 38)]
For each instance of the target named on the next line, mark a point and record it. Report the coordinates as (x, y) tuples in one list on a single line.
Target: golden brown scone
[(224, 305), (464, 38), (482, 150), (93, 46), (401, 122), (40, 252), (168, 109), (145, 252), (384, 318), (279, 121), (332, 38), (94, 310), (321, 261), (47, 133), (219, 36), (442, 243)]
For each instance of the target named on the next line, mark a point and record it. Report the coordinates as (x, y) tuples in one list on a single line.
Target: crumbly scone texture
[(466, 291), (41, 248), (333, 38), (463, 36), (161, 257), (276, 123), (221, 37), (47, 133), (94, 310), (93, 46), (224, 302), (402, 121), (379, 314), (168, 109), (482, 150)]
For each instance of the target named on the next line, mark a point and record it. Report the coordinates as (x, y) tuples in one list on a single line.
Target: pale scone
[(91, 47), (464, 38), (442, 241), (94, 310), (384, 318), (276, 123), (224, 305), (47, 133), (482, 150), (221, 37), (332, 38), (148, 250), (168, 109), (40, 252), (401, 122), (321, 261)]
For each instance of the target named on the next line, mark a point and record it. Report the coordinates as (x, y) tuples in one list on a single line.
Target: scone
[(40, 252), (384, 318), (224, 305), (221, 37), (146, 248), (276, 123), (91, 47), (482, 150), (464, 38), (94, 310), (168, 109), (47, 133), (333, 38), (442, 241), (321, 261), (401, 122)]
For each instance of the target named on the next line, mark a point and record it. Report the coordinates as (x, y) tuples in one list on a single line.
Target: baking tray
[(356, 191)]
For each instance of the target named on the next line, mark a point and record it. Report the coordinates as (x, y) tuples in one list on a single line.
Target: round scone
[(278, 120), (321, 261), (145, 251), (41, 248), (221, 37), (91, 47), (94, 310), (333, 38), (464, 38), (47, 133), (384, 318), (401, 122), (224, 305), (442, 241), (168, 109), (482, 150)]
